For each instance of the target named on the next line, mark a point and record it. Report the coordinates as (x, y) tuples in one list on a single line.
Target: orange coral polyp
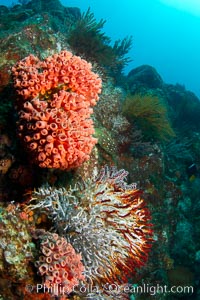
[(36, 136), (41, 156), (24, 115), (41, 124), (54, 135), (42, 141), (49, 139), (44, 131), (49, 147), (48, 260), (28, 106), (33, 146), (43, 269), (27, 138), (53, 126)]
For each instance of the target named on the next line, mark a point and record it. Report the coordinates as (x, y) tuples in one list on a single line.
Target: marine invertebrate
[(16, 247), (5, 164), (114, 135), (54, 103), (86, 38), (22, 175), (59, 263), (107, 113), (106, 141), (104, 219), (150, 114), (5, 144), (178, 149)]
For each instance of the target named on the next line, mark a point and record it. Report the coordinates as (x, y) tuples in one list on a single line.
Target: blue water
[(163, 36)]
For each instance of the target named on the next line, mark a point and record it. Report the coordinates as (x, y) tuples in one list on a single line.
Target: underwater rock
[(197, 256), (3, 10), (185, 107), (184, 241), (16, 248), (144, 76), (181, 276)]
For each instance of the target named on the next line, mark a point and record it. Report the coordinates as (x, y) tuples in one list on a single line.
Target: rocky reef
[(99, 171)]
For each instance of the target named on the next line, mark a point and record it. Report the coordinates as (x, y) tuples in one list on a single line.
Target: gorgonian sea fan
[(105, 220)]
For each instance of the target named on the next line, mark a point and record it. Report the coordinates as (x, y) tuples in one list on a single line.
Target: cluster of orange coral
[(60, 264), (54, 107)]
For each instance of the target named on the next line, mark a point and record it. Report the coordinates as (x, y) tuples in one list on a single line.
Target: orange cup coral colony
[(59, 264), (54, 103)]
